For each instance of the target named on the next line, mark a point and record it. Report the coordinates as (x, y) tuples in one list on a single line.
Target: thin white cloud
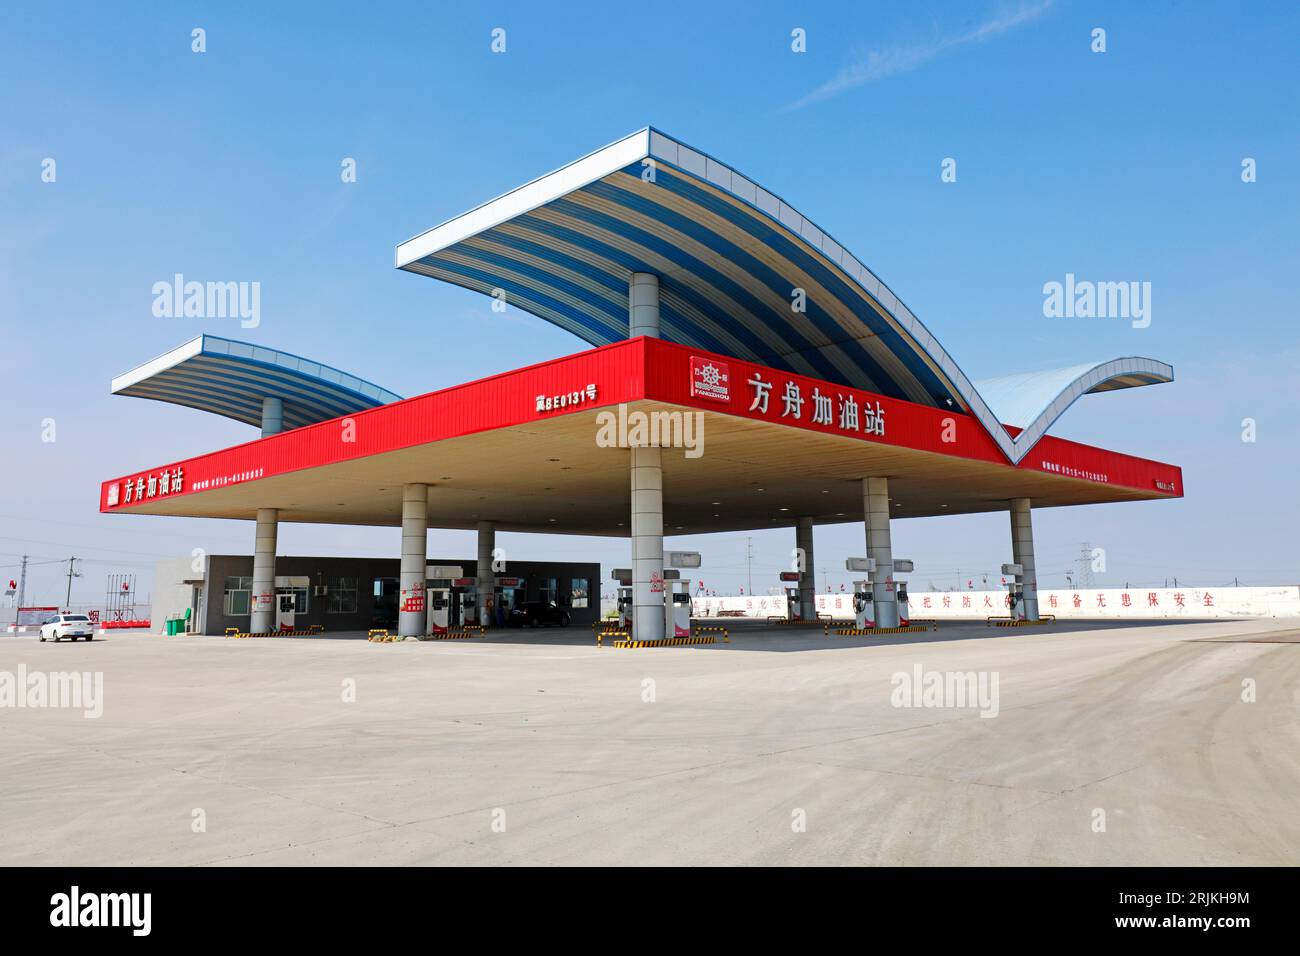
[(902, 58)]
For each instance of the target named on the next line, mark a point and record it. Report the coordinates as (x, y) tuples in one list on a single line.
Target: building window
[(549, 592), (578, 592), (343, 597), (235, 600)]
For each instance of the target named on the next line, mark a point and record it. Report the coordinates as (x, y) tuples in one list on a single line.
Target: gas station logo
[(710, 379)]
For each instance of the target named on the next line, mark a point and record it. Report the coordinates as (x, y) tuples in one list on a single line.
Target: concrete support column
[(272, 416), (411, 612), (647, 545), (803, 540), (262, 618), (487, 542), (643, 305), (875, 504), (1022, 553)]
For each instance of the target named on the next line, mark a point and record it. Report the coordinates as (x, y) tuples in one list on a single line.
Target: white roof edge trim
[(581, 172), (163, 362)]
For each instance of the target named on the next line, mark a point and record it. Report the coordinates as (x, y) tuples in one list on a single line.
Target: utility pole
[(749, 559), (22, 586), (72, 573)]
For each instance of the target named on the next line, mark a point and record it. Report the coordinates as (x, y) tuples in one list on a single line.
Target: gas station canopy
[(790, 370), (232, 378), (542, 449), (741, 273)]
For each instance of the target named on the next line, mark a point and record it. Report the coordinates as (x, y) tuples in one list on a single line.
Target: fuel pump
[(902, 566), (677, 592), (286, 605), (625, 606), (624, 578), (793, 605), (439, 609), (677, 609), (286, 599), (864, 613), (1015, 591), (439, 605)]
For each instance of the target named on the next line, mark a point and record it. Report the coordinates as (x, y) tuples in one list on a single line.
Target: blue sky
[(1123, 165)]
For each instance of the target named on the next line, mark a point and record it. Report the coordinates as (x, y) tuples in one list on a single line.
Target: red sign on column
[(413, 601)]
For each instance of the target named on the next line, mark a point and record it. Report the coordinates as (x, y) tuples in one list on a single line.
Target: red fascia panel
[(670, 377), (626, 372), (500, 401)]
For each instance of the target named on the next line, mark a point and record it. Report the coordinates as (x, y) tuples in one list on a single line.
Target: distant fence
[(1109, 603), (1119, 603), (93, 610)]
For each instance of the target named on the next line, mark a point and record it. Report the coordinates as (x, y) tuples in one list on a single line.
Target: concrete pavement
[(1111, 745)]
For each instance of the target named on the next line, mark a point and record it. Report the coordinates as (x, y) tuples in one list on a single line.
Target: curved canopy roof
[(730, 257), (231, 378), (1032, 401)]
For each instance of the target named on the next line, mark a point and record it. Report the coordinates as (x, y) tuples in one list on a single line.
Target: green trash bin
[(173, 626)]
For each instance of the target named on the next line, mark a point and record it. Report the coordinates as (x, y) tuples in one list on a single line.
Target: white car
[(68, 625)]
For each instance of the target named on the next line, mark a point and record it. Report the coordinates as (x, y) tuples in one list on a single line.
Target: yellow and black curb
[(310, 632), (602, 634), (865, 631), (711, 629), (667, 642), (383, 636), (1015, 622)]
